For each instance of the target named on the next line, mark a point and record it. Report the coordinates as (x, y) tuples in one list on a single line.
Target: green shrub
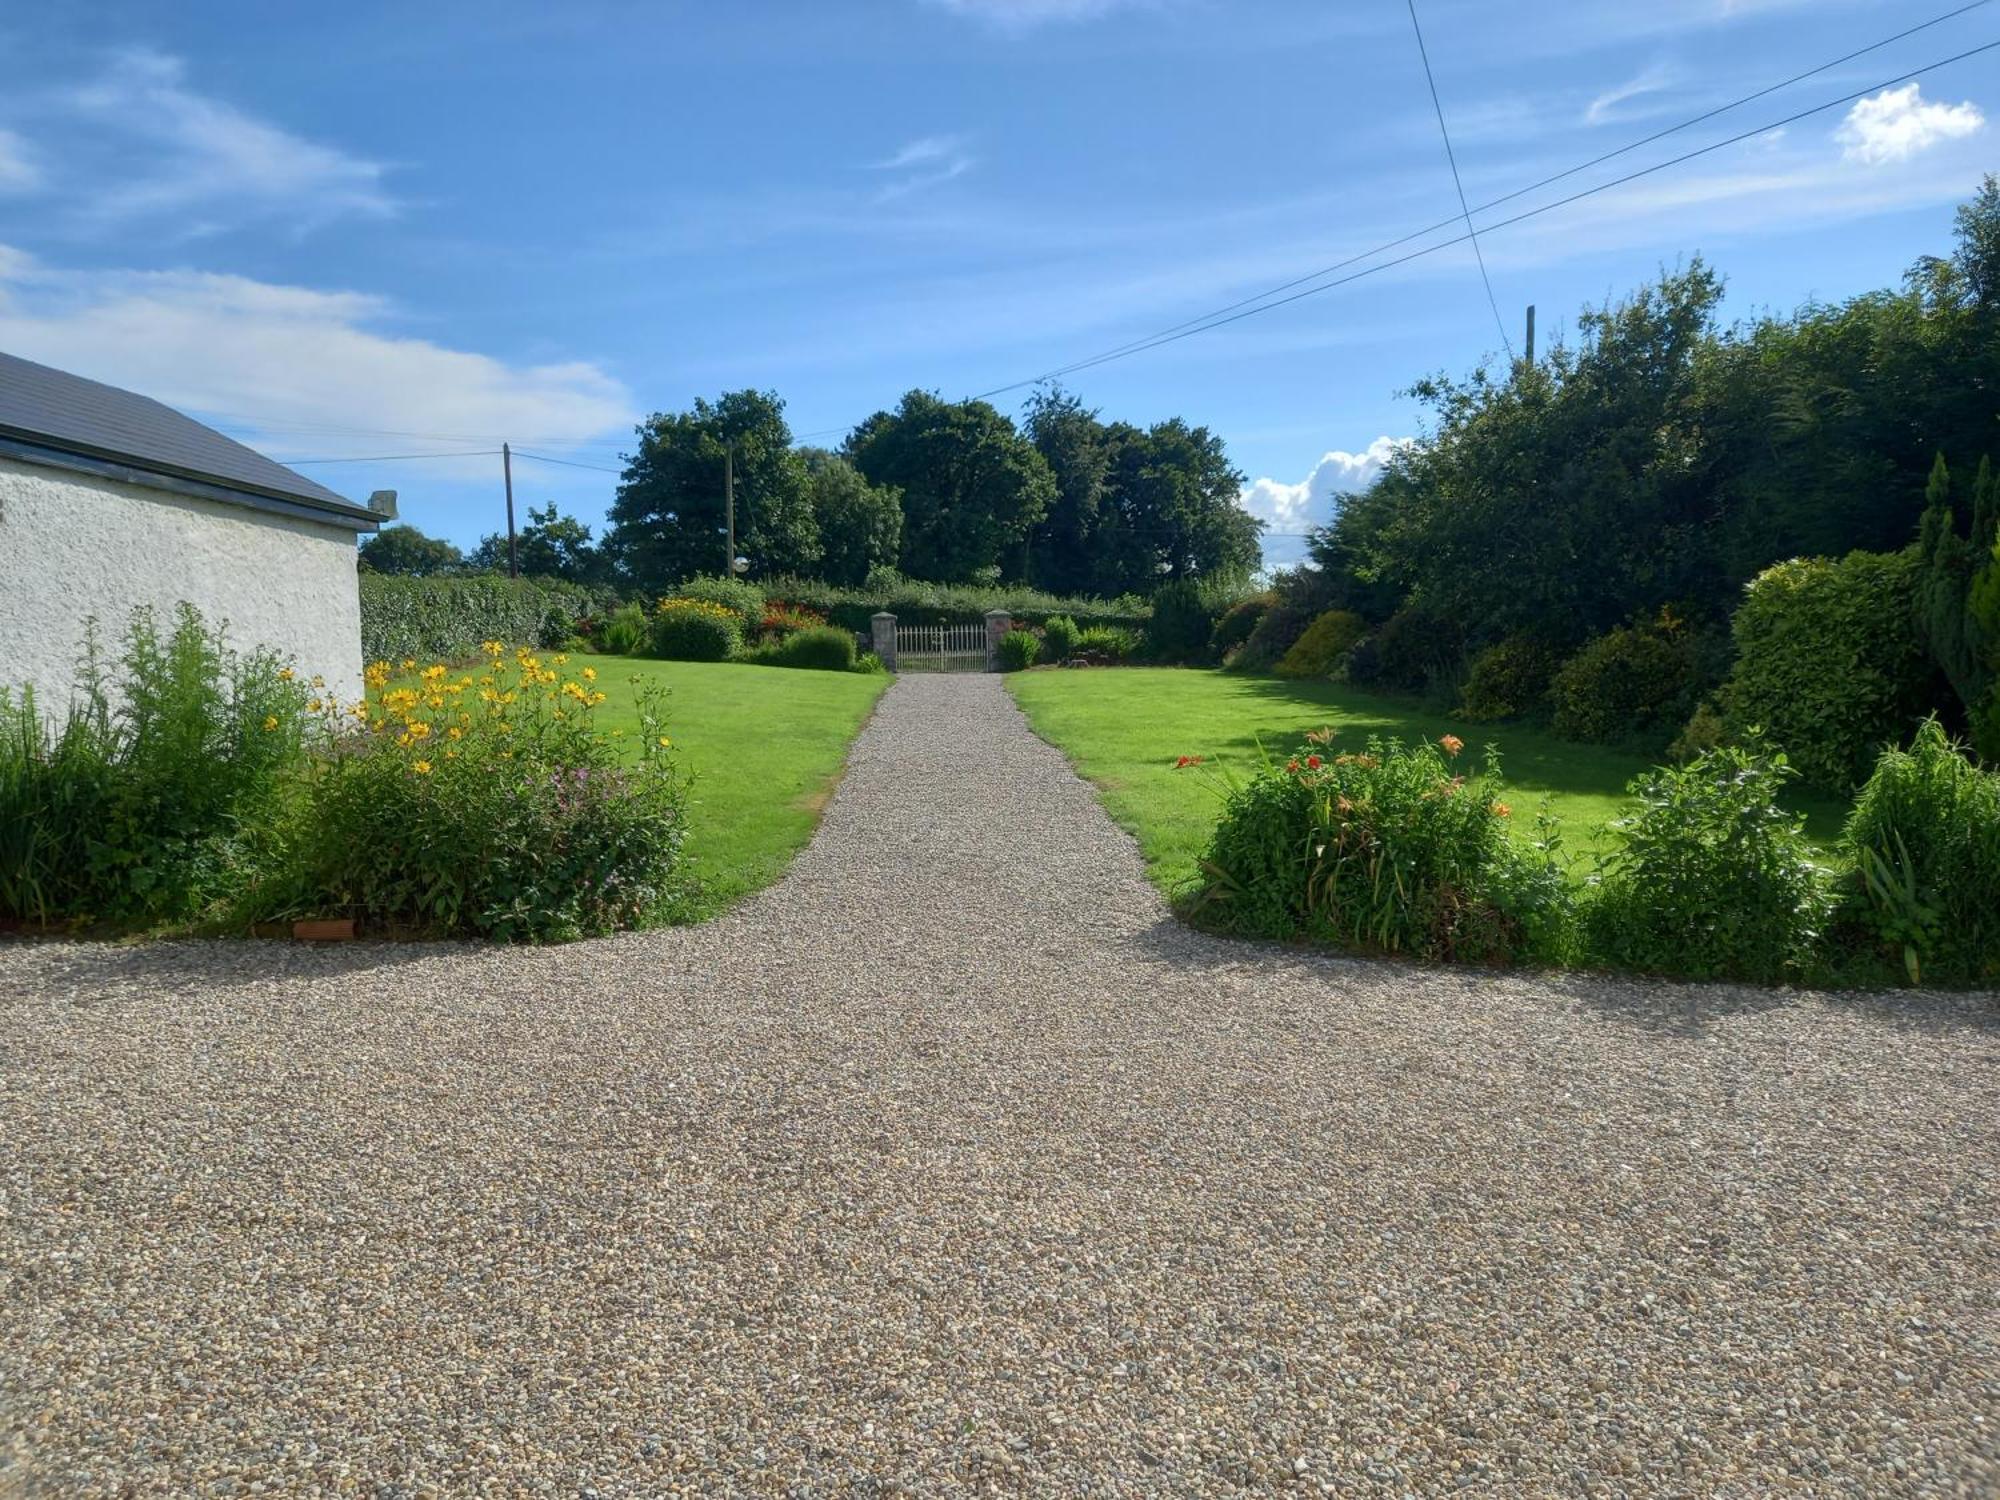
[(1508, 679), (1274, 633), (627, 632), (128, 810), (1018, 650), (1385, 850), (780, 620), (1233, 625), (743, 599), (1705, 730), (824, 648), (1711, 878), (1109, 643), (1924, 845), (915, 602), (869, 662), (1418, 647), (696, 630), (446, 619), (1322, 649), (1631, 685), (483, 806), (1181, 625), (1828, 662), (1060, 636)]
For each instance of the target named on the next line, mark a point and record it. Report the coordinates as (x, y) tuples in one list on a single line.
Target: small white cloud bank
[(1604, 108), (1897, 124), (1309, 503), (295, 370), (923, 163)]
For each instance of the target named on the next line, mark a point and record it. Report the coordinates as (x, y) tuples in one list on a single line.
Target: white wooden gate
[(959, 647)]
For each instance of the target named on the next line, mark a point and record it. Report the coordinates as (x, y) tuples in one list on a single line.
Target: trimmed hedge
[(823, 648), (1629, 686), (1323, 649), (913, 602), (1829, 663), (696, 630), (446, 619), (1508, 679)]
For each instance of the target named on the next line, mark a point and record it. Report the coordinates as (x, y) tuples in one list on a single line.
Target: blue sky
[(342, 231)]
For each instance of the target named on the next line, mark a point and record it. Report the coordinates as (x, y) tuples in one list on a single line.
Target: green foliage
[(1273, 634), (446, 619), (1109, 643), (1957, 587), (1509, 679), (695, 630), (1234, 625), (1018, 650), (551, 545), (1828, 663), (1385, 850), (973, 488), (1181, 625), (1631, 685), (628, 631), (740, 597), (1060, 636), (668, 518), (860, 524), (914, 602), (824, 648), (1322, 650), (1924, 842), (1711, 878), (537, 831), (1705, 730), (127, 811), (1129, 503), (407, 552), (1417, 647)]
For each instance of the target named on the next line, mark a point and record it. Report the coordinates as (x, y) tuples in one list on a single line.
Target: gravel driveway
[(952, 1165)]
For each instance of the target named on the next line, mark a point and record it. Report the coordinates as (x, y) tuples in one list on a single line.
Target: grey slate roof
[(52, 409)]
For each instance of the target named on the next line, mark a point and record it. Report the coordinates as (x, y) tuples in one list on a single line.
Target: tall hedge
[(915, 602), (1829, 662), (447, 618)]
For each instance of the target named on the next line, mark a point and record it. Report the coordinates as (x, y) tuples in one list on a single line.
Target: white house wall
[(73, 545)]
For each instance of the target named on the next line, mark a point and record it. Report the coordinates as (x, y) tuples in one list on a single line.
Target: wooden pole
[(729, 504), (513, 550), (1531, 333)]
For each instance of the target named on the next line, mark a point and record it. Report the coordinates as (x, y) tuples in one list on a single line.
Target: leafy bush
[(479, 804), (743, 599), (1417, 647), (869, 662), (1508, 679), (696, 630), (1385, 850), (1271, 637), (1181, 624), (1059, 637), (1323, 648), (1233, 626), (126, 811), (824, 648), (1018, 650), (780, 620), (447, 618), (1711, 878), (627, 631), (1705, 730), (1108, 643), (1828, 662), (914, 602), (1629, 686), (1924, 842)]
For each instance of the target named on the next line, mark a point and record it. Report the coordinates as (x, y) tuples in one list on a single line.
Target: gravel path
[(951, 1165)]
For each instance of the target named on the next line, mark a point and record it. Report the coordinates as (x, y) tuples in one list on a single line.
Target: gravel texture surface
[(952, 1165)]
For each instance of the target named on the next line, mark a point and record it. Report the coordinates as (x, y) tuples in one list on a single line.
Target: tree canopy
[(404, 549)]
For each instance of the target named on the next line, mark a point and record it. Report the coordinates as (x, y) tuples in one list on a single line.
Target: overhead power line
[(1211, 323), (567, 463), (1451, 157), (1149, 340), (384, 458)]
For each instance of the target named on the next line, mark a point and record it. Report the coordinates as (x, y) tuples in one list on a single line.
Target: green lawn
[(1123, 727), (764, 745)]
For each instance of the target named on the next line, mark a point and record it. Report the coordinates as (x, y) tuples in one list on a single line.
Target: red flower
[(1291, 765), (1312, 762), (1187, 760)]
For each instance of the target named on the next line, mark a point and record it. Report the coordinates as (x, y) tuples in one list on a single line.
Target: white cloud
[(1896, 124), (1019, 15), (148, 147), (924, 162), (293, 367), (19, 171), (1310, 502), (1604, 108)]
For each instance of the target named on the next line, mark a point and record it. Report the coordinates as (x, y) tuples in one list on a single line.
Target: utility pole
[(513, 552), (729, 506), (1531, 333)]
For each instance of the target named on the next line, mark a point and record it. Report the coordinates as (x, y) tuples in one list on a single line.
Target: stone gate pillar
[(998, 623), (883, 641)]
